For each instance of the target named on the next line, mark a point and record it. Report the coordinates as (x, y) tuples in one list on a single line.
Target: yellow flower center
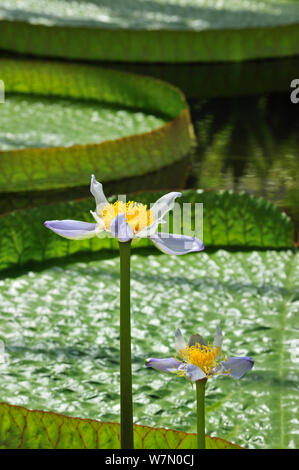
[(137, 214), (202, 356)]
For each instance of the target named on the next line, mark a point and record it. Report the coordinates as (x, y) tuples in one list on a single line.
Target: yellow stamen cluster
[(203, 356), (137, 214)]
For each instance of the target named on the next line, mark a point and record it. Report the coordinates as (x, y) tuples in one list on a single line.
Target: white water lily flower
[(198, 360), (126, 221)]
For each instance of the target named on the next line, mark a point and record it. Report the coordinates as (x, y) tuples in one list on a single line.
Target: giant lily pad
[(151, 31), (32, 429), (59, 322), (60, 327), (62, 122), (229, 220)]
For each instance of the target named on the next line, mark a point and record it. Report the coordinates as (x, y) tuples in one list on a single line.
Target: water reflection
[(249, 143)]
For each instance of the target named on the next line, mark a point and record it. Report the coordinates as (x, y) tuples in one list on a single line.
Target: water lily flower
[(127, 221), (199, 361)]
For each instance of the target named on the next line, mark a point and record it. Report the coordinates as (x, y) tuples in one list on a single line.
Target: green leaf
[(191, 31), (147, 149), (237, 219), (21, 428), (229, 220)]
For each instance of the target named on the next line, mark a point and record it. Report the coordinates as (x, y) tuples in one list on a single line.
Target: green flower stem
[(200, 395), (126, 405)]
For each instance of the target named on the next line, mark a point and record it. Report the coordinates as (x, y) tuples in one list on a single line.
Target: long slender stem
[(126, 405), (200, 395)]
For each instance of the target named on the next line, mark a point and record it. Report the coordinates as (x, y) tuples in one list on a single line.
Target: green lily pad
[(229, 220), (30, 121), (59, 320), (151, 31), (60, 326), (21, 428), (63, 121)]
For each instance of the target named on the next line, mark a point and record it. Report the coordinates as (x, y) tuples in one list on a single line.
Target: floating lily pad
[(59, 320), (33, 429), (60, 326), (61, 122), (229, 220), (30, 121), (151, 31)]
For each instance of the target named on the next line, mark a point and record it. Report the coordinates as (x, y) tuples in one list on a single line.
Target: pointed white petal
[(72, 229), (96, 190), (148, 231), (173, 244), (164, 204), (169, 364), (218, 339), (180, 343)]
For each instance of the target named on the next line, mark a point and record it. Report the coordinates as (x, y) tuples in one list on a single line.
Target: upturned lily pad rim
[(134, 155), (96, 422), (229, 44)]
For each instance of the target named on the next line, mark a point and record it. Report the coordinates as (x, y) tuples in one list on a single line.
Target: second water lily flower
[(126, 221), (198, 360)]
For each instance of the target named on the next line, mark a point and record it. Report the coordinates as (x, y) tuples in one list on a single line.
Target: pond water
[(249, 143)]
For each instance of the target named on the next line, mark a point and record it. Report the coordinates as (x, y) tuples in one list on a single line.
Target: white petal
[(180, 343), (121, 229), (173, 244), (218, 339), (236, 366), (169, 364), (72, 229), (96, 190), (164, 204), (194, 373)]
